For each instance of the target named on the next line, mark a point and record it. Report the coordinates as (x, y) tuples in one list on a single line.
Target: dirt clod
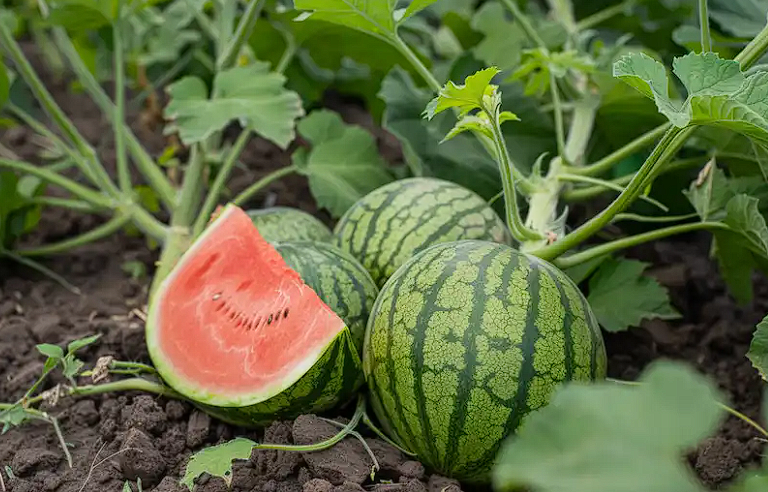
[(318, 485), (29, 460), (198, 428), (140, 459)]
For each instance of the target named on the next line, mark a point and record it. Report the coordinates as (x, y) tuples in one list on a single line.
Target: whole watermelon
[(394, 222), (464, 341), (337, 278), (289, 224)]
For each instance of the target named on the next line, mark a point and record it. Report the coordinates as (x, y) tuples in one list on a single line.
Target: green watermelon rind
[(240, 402), (276, 224), (411, 387), (338, 278), (396, 221), (333, 381)]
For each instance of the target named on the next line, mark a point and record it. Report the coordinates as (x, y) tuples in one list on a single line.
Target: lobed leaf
[(344, 164), (465, 97), (622, 297), (252, 95), (374, 17), (758, 349), (604, 437), (650, 78), (217, 461)]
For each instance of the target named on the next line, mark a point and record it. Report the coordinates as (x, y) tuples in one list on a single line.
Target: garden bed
[(117, 437)]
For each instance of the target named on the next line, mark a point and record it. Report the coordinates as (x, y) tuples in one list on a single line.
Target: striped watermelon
[(464, 341), (394, 222), (238, 332), (289, 224), (337, 278)]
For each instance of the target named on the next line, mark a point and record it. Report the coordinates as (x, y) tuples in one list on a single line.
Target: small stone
[(140, 459), (175, 410), (411, 469), (29, 460), (198, 428), (318, 485), (144, 413)]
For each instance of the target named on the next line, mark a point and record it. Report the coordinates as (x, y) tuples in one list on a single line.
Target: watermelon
[(236, 331), (394, 222), (339, 279), (464, 341), (289, 224)]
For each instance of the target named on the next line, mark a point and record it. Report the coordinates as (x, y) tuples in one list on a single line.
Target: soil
[(125, 437)]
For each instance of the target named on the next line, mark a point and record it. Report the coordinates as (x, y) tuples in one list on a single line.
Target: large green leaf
[(344, 164), (758, 349), (744, 18), (622, 297), (252, 94), (605, 437)]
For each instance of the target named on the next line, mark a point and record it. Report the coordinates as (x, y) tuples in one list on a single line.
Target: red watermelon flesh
[(233, 325)]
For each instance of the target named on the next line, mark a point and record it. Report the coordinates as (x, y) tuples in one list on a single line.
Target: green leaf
[(743, 216), (52, 351), (622, 297), (650, 78), (466, 97), (252, 95), (13, 417), (371, 16), (76, 345), (758, 348), (344, 164), (415, 6), (217, 461), (71, 366), (607, 437), (82, 15), (127, 487), (541, 65), (706, 74)]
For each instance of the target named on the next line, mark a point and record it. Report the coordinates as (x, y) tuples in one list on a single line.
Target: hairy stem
[(123, 173), (96, 234), (670, 143), (706, 39), (144, 162), (221, 178), (525, 23), (93, 197), (609, 185), (628, 242), (416, 63), (259, 185), (608, 162), (228, 57)]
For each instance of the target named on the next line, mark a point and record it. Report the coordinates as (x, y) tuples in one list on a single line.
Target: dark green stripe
[(443, 230), (593, 337), (567, 321), (419, 222), (467, 376), (373, 219), (395, 294)]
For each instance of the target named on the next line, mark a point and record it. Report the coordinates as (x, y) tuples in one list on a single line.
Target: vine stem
[(607, 162), (101, 232), (89, 165), (603, 15), (415, 62), (180, 233), (706, 39), (123, 173), (158, 181), (525, 23), (609, 185), (244, 29), (670, 143), (27, 262), (558, 110), (627, 242), (249, 192)]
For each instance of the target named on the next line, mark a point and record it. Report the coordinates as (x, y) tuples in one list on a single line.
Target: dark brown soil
[(119, 437)]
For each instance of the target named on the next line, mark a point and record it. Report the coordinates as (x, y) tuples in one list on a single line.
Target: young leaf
[(621, 296), (344, 163), (76, 345), (217, 461), (606, 437), (52, 351), (252, 94), (71, 366), (465, 97), (758, 349), (13, 417)]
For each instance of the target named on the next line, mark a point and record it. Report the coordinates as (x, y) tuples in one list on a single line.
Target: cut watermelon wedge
[(238, 332)]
